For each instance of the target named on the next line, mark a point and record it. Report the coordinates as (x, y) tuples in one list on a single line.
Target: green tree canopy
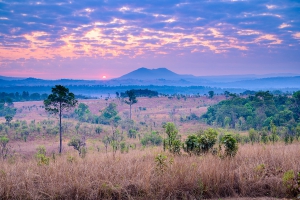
[(59, 101)]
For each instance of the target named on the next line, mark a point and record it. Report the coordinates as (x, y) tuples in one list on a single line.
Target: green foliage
[(110, 115), (161, 162), (3, 147), (132, 133), (153, 139), (292, 183), (264, 136), (98, 129), (253, 136), (41, 156), (83, 113), (297, 132), (25, 96), (6, 108), (191, 144), (211, 94), (57, 102), (123, 147), (202, 142), (79, 145), (173, 141), (60, 99), (230, 145), (256, 111), (8, 119), (141, 93), (207, 140)]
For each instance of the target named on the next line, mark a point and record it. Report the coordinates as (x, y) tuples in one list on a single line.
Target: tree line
[(139, 93), (257, 111), (24, 96)]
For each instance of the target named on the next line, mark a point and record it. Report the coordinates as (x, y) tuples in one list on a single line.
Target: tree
[(8, 119), (82, 111), (132, 99), (226, 93), (211, 94), (110, 115), (59, 101), (230, 145)]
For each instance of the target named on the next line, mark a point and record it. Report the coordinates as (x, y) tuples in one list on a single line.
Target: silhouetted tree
[(8, 119), (211, 94), (57, 102), (131, 99)]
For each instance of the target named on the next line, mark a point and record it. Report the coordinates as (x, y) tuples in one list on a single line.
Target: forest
[(257, 111)]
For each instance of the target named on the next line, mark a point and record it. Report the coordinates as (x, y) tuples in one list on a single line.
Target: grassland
[(256, 171), (259, 170)]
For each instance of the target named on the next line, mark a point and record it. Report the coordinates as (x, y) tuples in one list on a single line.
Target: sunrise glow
[(86, 38)]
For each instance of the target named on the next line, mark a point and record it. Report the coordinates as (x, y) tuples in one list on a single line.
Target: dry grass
[(135, 176)]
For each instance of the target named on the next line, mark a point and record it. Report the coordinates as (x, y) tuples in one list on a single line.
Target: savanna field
[(165, 152)]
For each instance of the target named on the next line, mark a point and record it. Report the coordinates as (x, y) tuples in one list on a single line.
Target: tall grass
[(256, 171)]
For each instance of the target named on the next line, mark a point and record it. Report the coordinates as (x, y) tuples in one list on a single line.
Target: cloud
[(112, 29), (268, 37), (296, 35), (248, 32), (270, 7), (284, 25)]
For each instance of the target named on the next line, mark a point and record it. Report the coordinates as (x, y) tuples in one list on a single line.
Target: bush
[(132, 133), (152, 138), (202, 142), (98, 130), (41, 156), (78, 145), (230, 145)]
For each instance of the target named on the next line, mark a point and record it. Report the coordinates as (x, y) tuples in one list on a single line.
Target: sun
[(104, 77)]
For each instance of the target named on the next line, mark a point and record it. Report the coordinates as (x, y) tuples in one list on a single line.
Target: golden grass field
[(257, 171)]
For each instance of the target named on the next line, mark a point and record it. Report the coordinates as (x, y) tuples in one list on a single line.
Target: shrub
[(230, 145), (98, 129), (3, 146), (132, 133), (41, 156), (123, 147), (78, 145), (291, 183), (152, 138), (207, 140), (202, 142), (172, 142)]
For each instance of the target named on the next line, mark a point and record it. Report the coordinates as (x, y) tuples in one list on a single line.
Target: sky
[(89, 39)]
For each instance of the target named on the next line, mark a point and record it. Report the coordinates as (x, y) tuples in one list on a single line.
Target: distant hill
[(265, 83), (11, 78), (165, 77), (154, 74)]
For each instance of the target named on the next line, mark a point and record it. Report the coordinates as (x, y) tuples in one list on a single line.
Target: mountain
[(154, 74), (163, 77)]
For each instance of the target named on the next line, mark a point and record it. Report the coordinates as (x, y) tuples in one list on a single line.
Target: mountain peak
[(153, 74)]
